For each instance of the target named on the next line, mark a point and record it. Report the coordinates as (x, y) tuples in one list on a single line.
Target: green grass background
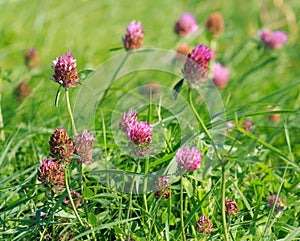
[(90, 29)]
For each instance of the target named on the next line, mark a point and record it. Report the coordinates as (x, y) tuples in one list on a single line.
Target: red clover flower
[(220, 75), (231, 207), (274, 40), (215, 23), (127, 118), (204, 225), (65, 72), (61, 146), (196, 66), (188, 159), (134, 36), (186, 25), (51, 173), (162, 187), (84, 146), (139, 133)]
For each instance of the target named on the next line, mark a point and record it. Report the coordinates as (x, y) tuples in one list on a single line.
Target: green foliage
[(263, 83)]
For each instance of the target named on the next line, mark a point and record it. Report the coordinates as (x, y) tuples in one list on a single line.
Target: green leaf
[(291, 236), (187, 186), (87, 193), (93, 219), (85, 74)]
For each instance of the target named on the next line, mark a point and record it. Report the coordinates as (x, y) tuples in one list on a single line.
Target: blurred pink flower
[(274, 40), (220, 75), (186, 25), (84, 146), (196, 66), (134, 36), (162, 187), (188, 159), (139, 133), (65, 72), (127, 118)]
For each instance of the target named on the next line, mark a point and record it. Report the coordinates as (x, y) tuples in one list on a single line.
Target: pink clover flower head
[(220, 75), (275, 39), (188, 159), (133, 38), (162, 187), (186, 25), (127, 119), (272, 199), (84, 146), (65, 72), (196, 65), (51, 173), (140, 133), (204, 225)]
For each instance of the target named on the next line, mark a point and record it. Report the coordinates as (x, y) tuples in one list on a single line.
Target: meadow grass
[(115, 204)]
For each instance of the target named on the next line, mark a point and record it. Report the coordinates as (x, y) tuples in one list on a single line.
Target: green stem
[(130, 205), (202, 123), (181, 209), (70, 112), (2, 134), (223, 204), (70, 197)]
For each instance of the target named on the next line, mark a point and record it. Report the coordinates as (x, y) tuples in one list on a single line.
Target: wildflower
[(61, 146), (162, 187), (22, 91), (279, 207), (51, 173), (84, 146), (188, 159), (274, 40), (215, 23), (134, 36), (76, 198), (127, 119), (231, 207), (139, 133), (247, 125), (65, 72), (186, 25), (272, 199), (204, 225), (230, 126), (182, 52), (220, 75), (196, 65), (31, 58)]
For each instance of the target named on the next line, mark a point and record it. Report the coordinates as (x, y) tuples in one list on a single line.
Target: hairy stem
[(70, 197), (70, 112)]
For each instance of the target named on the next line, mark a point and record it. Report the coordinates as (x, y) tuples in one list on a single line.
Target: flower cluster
[(62, 150), (188, 159), (196, 65), (139, 133), (134, 36), (84, 147), (162, 187), (186, 25), (231, 207), (65, 71), (32, 58), (220, 75), (51, 173), (274, 40), (204, 225), (215, 23)]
